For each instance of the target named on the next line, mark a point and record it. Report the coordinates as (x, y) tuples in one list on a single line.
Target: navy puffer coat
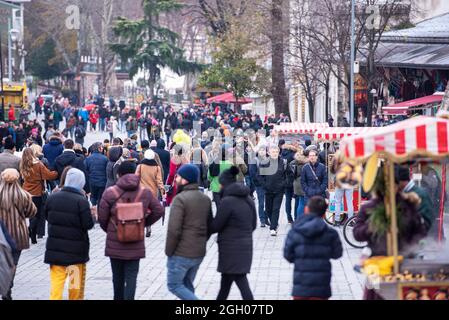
[(310, 245)]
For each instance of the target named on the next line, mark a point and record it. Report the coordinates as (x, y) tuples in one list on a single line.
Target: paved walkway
[(271, 276)]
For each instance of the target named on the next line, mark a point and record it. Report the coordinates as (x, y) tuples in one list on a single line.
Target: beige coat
[(151, 177)]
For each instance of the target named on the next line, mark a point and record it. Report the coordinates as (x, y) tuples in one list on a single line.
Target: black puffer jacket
[(235, 222), (70, 158), (273, 175), (69, 219)]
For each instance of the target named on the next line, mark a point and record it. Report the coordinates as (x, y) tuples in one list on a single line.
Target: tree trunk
[(277, 44)]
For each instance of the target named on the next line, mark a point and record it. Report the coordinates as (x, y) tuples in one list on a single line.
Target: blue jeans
[(288, 203), (301, 201), (339, 193), (181, 273), (249, 183), (261, 201)]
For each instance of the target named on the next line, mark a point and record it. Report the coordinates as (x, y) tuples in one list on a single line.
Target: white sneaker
[(273, 233)]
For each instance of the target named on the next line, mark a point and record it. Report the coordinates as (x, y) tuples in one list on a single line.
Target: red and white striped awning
[(420, 136), (300, 128), (336, 133)]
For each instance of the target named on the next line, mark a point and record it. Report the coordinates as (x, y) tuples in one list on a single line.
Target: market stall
[(332, 136), (415, 141), (299, 131)]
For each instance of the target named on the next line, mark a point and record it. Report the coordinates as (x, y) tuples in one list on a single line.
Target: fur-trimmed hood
[(300, 158)]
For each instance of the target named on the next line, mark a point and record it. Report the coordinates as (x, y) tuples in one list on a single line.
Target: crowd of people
[(169, 159)]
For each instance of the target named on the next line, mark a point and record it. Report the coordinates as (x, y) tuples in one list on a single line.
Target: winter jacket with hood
[(52, 150), (70, 158), (187, 231), (69, 219), (314, 184), (310, 245), (96, 169), (128, 187), (414, 228), (114, 155), (150, 175), (295, 169), (235, 221)]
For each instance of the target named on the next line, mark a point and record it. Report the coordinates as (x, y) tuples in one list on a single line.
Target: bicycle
[(348, 228)]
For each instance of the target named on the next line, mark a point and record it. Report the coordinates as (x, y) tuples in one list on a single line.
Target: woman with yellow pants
[(69, 219)]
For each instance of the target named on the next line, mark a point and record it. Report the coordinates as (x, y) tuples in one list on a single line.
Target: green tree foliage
[(149, 46), (234, 69), (43, 61)]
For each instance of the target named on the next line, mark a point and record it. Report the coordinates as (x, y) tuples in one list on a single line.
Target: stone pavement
[(271, 276)]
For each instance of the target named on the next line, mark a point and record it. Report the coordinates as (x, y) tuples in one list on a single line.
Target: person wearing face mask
[(313, 177)]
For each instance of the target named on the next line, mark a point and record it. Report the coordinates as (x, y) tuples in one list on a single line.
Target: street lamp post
[(12, 39), (352, 61), (1, 81)]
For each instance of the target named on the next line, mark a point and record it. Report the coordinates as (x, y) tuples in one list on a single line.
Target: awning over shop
[(300, 128), (404, 107), (336, 133), (228, 98), (410, 55), (419, 136)]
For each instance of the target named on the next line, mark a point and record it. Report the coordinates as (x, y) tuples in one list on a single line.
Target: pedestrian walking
[(16, 206), (273, 173), (96, 165), (125, 256), (219, 164), (35, 174), (313, 177), (187, 233), (150, 174), (295, 169), (235, 222), (179, 157), (310, 245), (67, 251), (115, 154), (288, 152), (7, 158)]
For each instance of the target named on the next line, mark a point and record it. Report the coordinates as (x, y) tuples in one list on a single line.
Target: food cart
[(333, 136), (418, 139), (298, 131)]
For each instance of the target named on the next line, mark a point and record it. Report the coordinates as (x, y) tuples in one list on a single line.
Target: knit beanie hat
[(149, 155), (189, 172), (229, 176), (75, 179)]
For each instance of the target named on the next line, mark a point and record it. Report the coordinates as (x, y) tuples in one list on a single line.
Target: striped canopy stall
[(418, 136), (336, 133), (299, 128)]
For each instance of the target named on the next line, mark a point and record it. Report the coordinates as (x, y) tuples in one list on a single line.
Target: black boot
[(32, 236)]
